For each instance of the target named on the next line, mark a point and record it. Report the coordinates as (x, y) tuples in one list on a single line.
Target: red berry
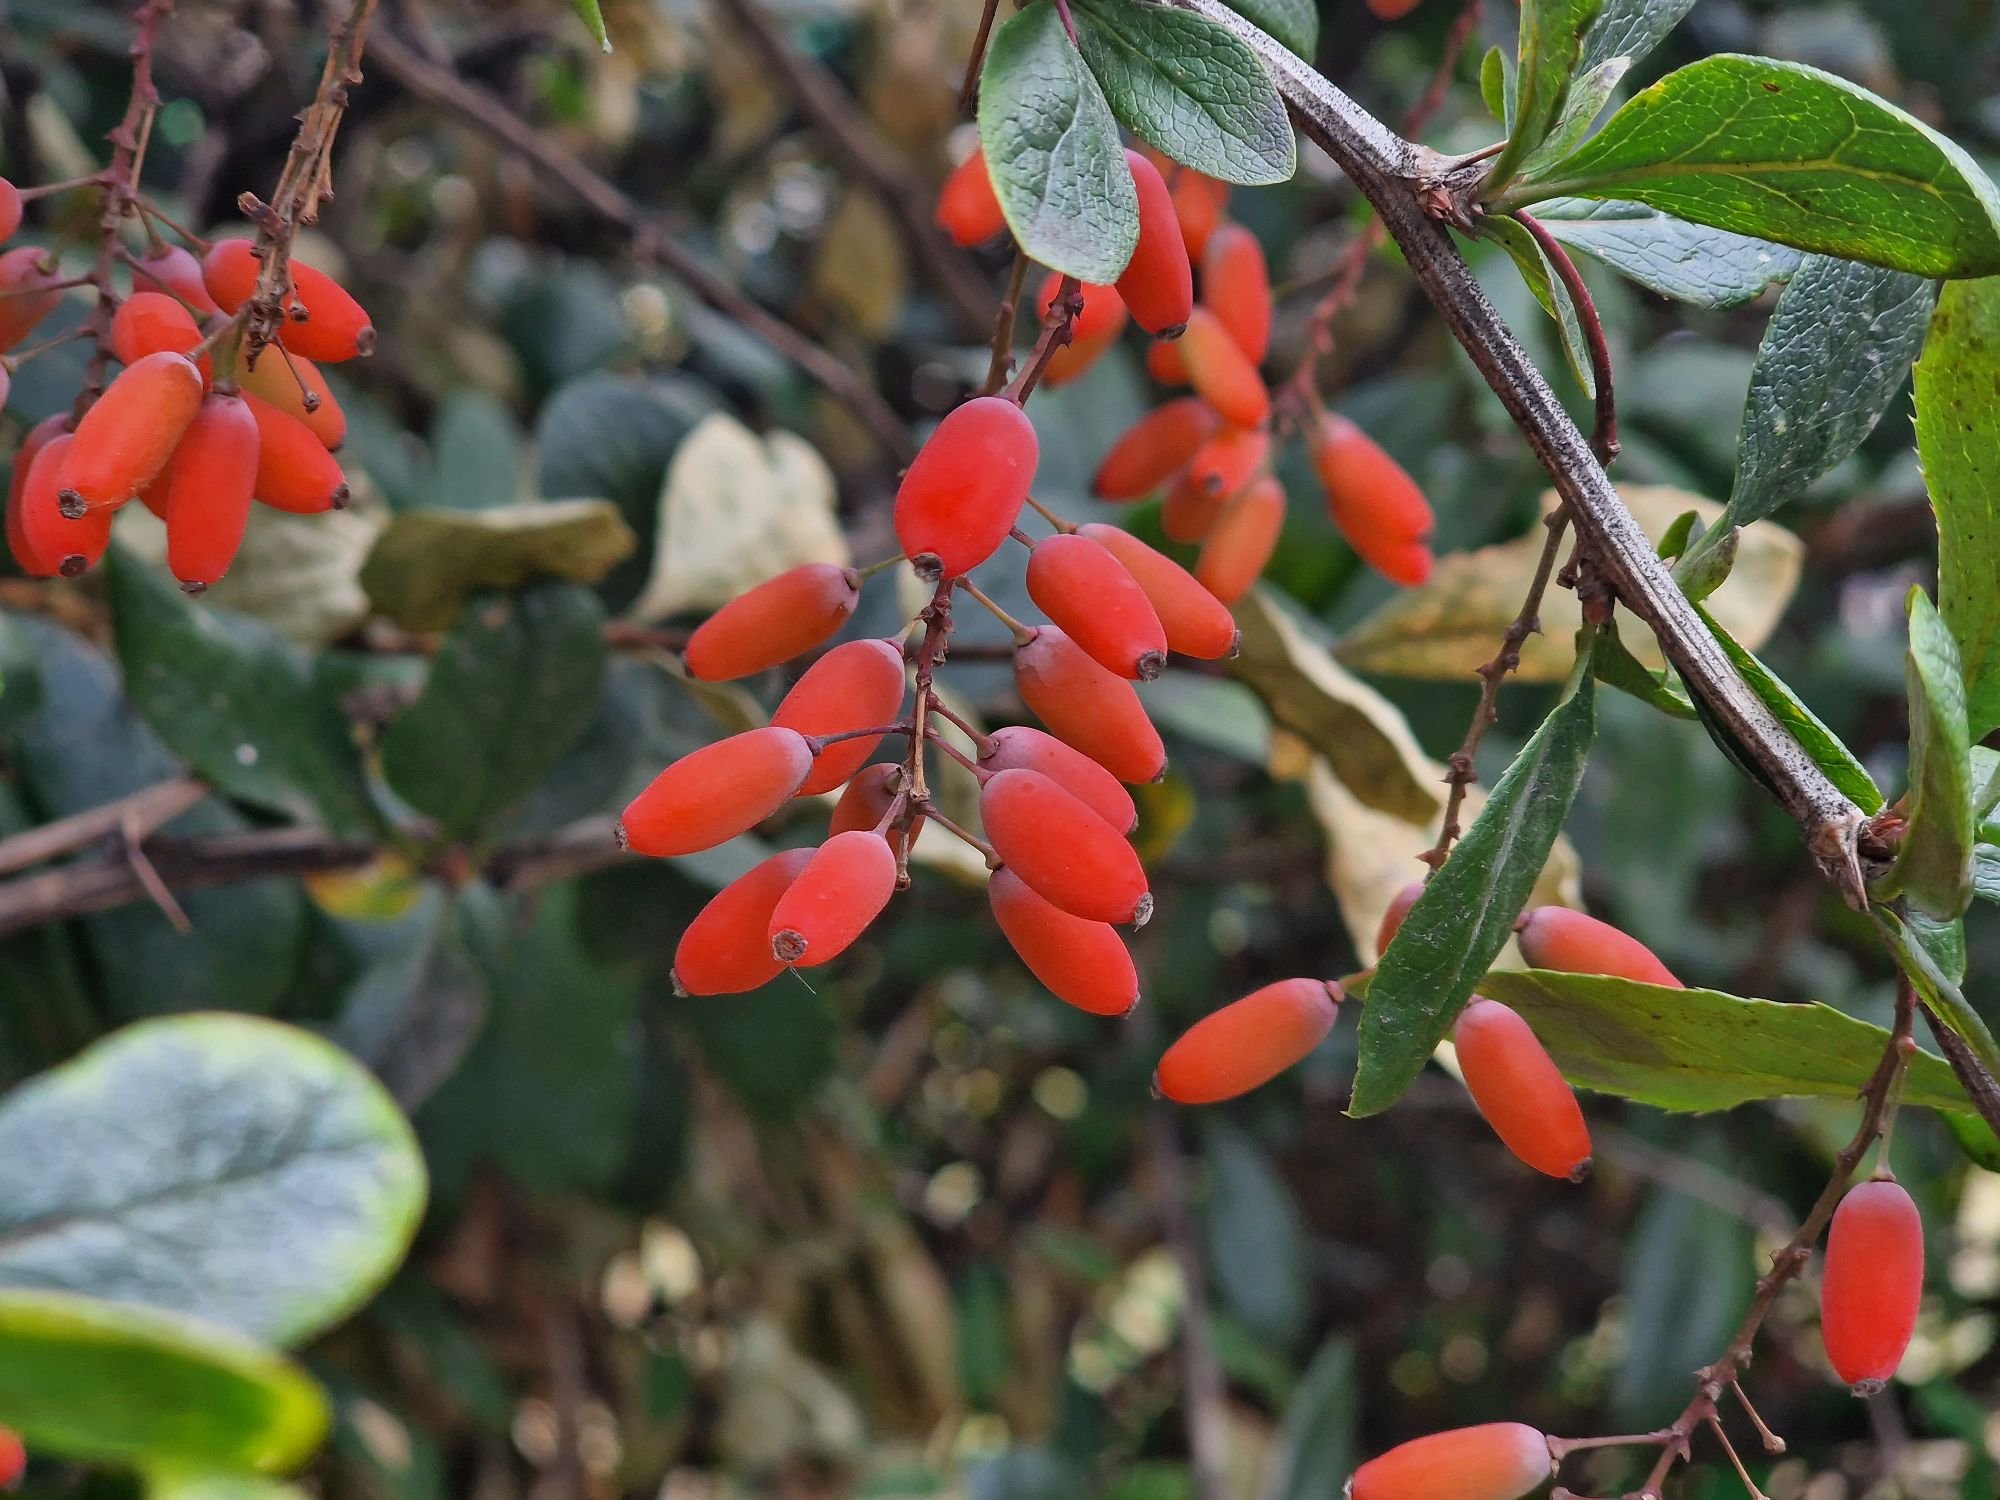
[(10, 209), (283, 379), (967, 208), (1196, 622), (1393, 10), (1373, 500), (55, 543), (1020, 747), (335, 327), (1070, 856), (1081, 962), (1499, 1461), (1554, 937), (37, 438), (773, 622), (1228, 461), (964, 492), (1090, 595), (726, 949), (1155, 448), (1222, 372), (1520, 1091), (1199, 205), (1392, 919), (844, 887), (130, 433), (1189, 512), (173, 269), (1096, 329), (1242, 540), (294, 470), (1088, 707), (710, 795), (1407, 564), (867, 800), (855, 686), (208, 486), (1873, 1282), (27, 292), (154, 323), (1236, 287), (1158, 282), (13, 1458), (1248, 1042), (1164, 363)]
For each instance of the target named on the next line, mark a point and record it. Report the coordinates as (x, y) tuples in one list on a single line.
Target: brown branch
[(1058, 328), (138, 815), (1002, 364), (651, 241), (1604, 432)]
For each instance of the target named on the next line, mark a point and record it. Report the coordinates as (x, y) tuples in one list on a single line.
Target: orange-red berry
[(1158, 282), (1242, 540), (28, 292), (1373, 500), (854, 686), (13, 1458), (10, 210), (130, 433), (1498, 1461), (1196, 622), (968, 209), (154, 323), (773, 622), (335, 326), (208, 483), (56, 543), (1199, 205), (710, 795), (1189, 512), (38, 437), (1070, 856), (1236, 287), (1021, 747), (866, 801), (1155, 448), (1228, 461), (726, 949), (173, 269), (1096, 329), (1393, 10), (1392, 919), (964, 493), (1081, 962), (1164, 363), (1222, 373), (1087, 591), (1555, 937), (1248, 1042), (842, 889), (284, 380), (294, 470), (1520, 1090), (1873, 1282), (1087, 706)]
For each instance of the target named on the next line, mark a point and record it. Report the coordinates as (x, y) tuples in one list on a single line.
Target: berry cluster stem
[(1604, 430)]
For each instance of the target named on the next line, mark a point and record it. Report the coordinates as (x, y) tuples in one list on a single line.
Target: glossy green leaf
[(1788, 153), (1185, 85), (1943, 940), (1549, 291), (427, 563), (1589, 92), (1551, 45), (1976, 1139), (1937, 989), (514, 687), (1257, 1244), (1690, 263), (476, 458), (237, 701), (234, 1169), (1933, 868), (90, 1379), (1466, 913), (1614, 665), (1958, 438), (1702, 1049), (1706, 565), (1053, 151), (1317, 1434), (1292, 22), (180, 1481), (1496, 84), (1631, 29)]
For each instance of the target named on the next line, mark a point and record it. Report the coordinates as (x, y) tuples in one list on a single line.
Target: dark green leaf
[(1293, 22), (1685, 529), (476, 459), (774, 1053), (103, 1380), (1466, 913), (1316, 1436), (426, 563), (1688, 262), (1937, 989), (1052, 149), (1631, 29), (1589, 92), (1681, 1300), (1550, 48), (1944, 941), (1958, 438), (1976, 1139), (1701, 1049), (1786, 152), (514, 687), (1187, 86), (1257, 1244), (1549, 290), (1934, 866), (417, 1008), (1615, 666)]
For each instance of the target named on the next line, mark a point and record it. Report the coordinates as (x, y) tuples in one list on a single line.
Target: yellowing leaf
[(427, 561), (862, 268)]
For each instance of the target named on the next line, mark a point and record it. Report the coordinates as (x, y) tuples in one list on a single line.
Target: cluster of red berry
[(196, 425)]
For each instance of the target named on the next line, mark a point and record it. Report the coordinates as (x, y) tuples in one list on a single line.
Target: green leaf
[(1316, 1435), (1466, 913), (1549, 290), (418, 1007), (593, 17), (1550, 48), (1681, 1299), (1976, 1139), (1986, 872), (1943, 940), (1934, 866), (514, 687), (1052, 149), (1292, 22), (100, 1380), (1496, 84), (175, 1481), (1786, 152), (1589, 93), (231, 1168), (1937, 989), (428, 562), (1184, 84), (1701, 1049), (476, 459), (1705, 567), (1631, 29), (1958, 438), (1257, 1245), (1614, 665), (1690, 263), (237, 701)]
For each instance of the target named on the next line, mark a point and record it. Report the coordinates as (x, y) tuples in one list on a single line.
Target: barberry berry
[(154, 323), (1555, 937), (294, 470), (867, 799), (726, 949), (170, 268), (710, 795), (968, 209), (1196, 622), (1200, 202), (335, 326), (1088, 593), (37, 438), (965, 490), (1096, 329), (1248, 1042), (1393, 10), (1164, 363), (842, 889), (1070, 856), (1497, 1461), (1392, 919), (854, 686), (1242, 540), (1189, 512), (28, 292), (1222, 373), (13, 1452), (1158, 282), (1373, 500), (10, 210), (1088, 707), (1520, 1090), (57, 544), (773, 622), (1155, 448), (1228, 461), (1873, 1283), (208, 486), (1021, 747), (1236, 287), (1080, 962), (283, 379), (128, 435)]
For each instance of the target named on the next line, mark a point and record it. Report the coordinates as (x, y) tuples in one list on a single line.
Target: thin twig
[(970, 89), (1604, 431), (141, 813), (1058, 328), (1003, 327)]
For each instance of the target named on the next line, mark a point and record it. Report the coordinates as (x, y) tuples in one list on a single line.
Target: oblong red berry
[(1873, 1283), (1236, 287), (842, 889), (1155, 448), (1407, 565), (1392, 10), (1228, 461), (1248, 1042), (1196, 622), (1089, 593), (33, 563), (1070, 856), (1497, 1461), (172, 269), (967, 208), (710, 795), (1392, 919), (208, 483), (10, 209), (1022, 747), (1164, 363), (866, 801), (854, 686), (61, 545), (1222, 373), (1158, 282), (1080, 962), (13, 1458), (1189, 513), (335, 327), (294, 471), (1200, 202), (1520, 1090), (128, 435), (726, 949), (1242, 540), (1555, 937), (1095, 710), (773, 622), (1096, 329), (965, 491), (27, 292), (283, 379), (153, 323), (1371, 498)]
